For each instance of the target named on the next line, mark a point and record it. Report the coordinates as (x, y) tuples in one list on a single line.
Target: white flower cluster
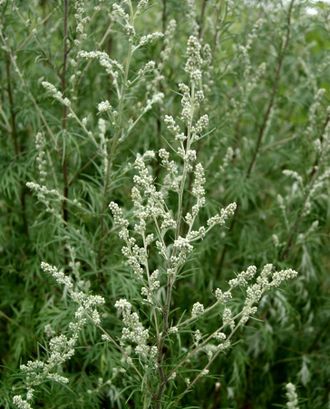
[(147, 68), (104, 106), (126, 21), (295, 176), (119, 14), (87, 303), (149, 38), (174, 128), (61, 347), (82, 18), (154, 285), (220, 336), (103, 145), (194, 60), (197, 337), (46, 196), (149, 205), (142, 4), (221, 296), (135, 255), (227, 318), (168, 44), (198, 189), (134, 331), (188, 104), (192, 16), (112, 67), (173, 330), (172, 178), (265, 281), (55, 93), (232, 321), (200, 126), (292, 397), (21, 403), (40, 144), (197, 309), (156, 98), (243, 277), (224, 215)]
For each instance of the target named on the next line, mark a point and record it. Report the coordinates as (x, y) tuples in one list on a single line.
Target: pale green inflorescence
[(292, 397)]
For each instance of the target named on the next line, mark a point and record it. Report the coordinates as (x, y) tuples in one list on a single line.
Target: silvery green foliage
[(113, 111), (173, 234)]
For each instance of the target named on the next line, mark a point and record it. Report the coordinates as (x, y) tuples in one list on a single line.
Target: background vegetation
[(267, 90)]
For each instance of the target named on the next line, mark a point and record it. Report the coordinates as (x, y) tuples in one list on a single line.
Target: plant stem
[(171, 277)]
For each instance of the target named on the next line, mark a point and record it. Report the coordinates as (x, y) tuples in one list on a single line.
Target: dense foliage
[(105, 102)]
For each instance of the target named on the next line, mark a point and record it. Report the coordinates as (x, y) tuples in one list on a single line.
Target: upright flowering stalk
[(61, 348), (158, 242)]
